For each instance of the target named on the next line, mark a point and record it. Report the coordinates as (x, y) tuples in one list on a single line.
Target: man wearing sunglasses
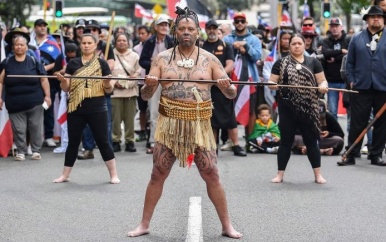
[(247, 48), (334, 47)]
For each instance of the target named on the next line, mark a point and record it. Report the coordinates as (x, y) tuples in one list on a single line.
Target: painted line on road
[(194, 233)]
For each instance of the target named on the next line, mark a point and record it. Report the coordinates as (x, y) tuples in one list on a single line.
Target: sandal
[(20, 157), (36, 156)]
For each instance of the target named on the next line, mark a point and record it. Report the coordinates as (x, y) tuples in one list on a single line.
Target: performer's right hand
[(273, 87), (59, 76), (151, 81)]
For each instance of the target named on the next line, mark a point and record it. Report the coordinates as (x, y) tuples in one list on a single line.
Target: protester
[(334, 47), (246, 47), (265, 136), (87, 105), (224, 111), (178, 107), (331, 134), (49, 51), (298, 107), (157, 43), (365, 70), (143, 35), (124, 99), (26, 98)]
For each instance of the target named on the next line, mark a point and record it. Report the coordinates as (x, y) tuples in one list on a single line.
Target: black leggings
[(288, 126), (98, 125)]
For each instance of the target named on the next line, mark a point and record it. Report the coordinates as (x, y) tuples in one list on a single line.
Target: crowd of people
[(187, 121)]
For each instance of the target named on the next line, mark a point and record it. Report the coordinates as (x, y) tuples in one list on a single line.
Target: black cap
[(92, 23), (210, 23), (80, 23), (374, 10), (40, 21)]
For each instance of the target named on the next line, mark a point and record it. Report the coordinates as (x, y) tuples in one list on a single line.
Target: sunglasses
[(308, 36), (94, 29), (237, 21), (308, 25)]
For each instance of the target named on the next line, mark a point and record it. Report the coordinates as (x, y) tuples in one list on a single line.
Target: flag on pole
[(244, 92), (268, 64), (62, 120), (141, 12), (6, 135), (197, 6), (306, 10), (286, 19)]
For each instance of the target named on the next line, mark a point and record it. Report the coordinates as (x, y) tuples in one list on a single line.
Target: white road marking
[(194, 233)]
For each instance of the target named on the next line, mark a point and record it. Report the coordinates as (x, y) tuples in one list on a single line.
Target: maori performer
[(183, 130), (87, 105), (298, 107)]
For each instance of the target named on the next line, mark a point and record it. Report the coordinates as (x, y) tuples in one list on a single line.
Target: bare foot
[(320, 180), (232, 234), (114, 180), (61, 179), (277, 179), (140, 230)]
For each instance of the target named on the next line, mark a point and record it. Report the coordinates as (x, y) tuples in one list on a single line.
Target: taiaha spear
[(179, 80)]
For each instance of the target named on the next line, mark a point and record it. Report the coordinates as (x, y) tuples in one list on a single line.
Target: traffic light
[(58, 9), (326, 10), (48, 5)]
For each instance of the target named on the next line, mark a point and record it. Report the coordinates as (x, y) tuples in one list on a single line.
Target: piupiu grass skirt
[(183, 127)]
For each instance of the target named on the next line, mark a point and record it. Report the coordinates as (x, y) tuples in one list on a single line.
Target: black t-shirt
[(94, 104), (101, 49), (22, 94), (312, 63), (222, 50)]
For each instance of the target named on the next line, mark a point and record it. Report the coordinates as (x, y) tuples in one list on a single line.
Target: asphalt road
[(350, 207)]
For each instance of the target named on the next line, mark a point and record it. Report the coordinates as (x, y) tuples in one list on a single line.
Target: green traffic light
[(59, 14), (326, 14)]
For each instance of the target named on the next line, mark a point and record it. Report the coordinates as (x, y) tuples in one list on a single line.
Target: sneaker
[(141, 136), (36, 156), (365, 149), (50, 142), (227, 146), (29, 150), (19, 157), (60, 150), (116, 147), (273, 150), (130, 147), (238, 151), (87, 154)]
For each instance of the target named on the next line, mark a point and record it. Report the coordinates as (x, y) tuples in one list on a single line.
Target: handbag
[(125, 83)]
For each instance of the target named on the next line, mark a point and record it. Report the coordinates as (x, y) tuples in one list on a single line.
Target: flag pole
[(110, 33)]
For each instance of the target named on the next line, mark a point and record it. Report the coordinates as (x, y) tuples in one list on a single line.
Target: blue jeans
[(88, 140), (333, 98)]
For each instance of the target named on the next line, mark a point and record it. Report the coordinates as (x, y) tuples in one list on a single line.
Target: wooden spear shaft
[(179, 80)]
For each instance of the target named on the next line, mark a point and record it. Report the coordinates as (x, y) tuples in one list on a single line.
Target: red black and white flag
[(197, 6)]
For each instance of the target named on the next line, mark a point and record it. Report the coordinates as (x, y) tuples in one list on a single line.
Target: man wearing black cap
[(49, 51), (334, 47), (224, 111), (365, 71)]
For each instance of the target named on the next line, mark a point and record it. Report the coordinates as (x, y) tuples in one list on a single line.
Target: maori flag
[(197, 6)]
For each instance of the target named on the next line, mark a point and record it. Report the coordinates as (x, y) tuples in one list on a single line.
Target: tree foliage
[(351, 6), (10, 9)]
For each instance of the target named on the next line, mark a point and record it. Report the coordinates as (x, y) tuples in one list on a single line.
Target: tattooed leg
[(163, 160), (206, 162)]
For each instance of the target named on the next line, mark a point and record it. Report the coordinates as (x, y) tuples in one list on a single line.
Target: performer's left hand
[(323, 89), (47, 99), (224, 83)]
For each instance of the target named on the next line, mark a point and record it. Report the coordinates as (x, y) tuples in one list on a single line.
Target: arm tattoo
[(147, 92)]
